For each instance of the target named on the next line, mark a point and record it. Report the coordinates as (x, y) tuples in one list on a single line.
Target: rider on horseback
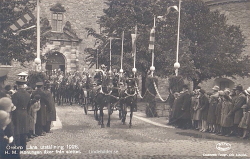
[(102, 79)]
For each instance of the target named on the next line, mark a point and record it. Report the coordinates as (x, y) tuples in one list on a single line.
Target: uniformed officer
[(41, 113), (21, 100), (50, 109), (101, 75)]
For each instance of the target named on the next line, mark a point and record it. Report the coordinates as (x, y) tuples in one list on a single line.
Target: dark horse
[(128, 99), (114, 97), (101, 98)]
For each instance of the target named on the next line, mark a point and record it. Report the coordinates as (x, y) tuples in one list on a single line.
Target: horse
[(101, 98), (61, 91), (128, 99), (114, 97)]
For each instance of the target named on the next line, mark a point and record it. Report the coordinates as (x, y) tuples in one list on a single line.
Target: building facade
[(67, 38), (237, 12)]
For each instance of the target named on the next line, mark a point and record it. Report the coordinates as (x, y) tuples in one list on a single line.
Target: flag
[(152, 39), (24, 19), (134, 37), (133, 43)]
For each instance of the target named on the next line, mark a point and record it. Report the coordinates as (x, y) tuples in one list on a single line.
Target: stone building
[(237, 12), (68, 37)]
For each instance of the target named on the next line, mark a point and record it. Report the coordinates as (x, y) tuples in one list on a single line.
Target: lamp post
[(177, 64), (38, 59)]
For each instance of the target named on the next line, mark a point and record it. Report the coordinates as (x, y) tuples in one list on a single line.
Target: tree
[(19, 46), (209, 47)]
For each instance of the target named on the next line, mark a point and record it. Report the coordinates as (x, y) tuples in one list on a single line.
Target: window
[(57, 20)]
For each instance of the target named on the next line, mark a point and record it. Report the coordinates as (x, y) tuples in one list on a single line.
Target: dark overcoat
[(20, 118), (41, 113), (204, 104), (213, 102), (50, 108), (226, 121), (237, 111), (218, 111), (185, 101)]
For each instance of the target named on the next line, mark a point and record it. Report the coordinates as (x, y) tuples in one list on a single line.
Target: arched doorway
[(56, 61), (224, 83)]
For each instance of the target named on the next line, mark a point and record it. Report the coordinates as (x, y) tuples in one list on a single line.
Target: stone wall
[(237, 12), (81, 14)]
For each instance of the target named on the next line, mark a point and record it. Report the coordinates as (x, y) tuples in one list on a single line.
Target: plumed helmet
[(5, 103)]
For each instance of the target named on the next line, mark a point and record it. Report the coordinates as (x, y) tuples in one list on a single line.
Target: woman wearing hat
[(237, 112), (214, 100), (245, 121), (204, 104), (226, 121)]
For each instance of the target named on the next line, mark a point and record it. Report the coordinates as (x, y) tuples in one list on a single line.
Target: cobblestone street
[(79, 136)]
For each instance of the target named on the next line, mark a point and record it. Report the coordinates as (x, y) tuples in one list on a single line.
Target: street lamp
[(38, 58), (177, 64)]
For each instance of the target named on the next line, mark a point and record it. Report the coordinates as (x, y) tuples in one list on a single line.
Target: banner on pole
[(24, 19), (133, 43), (152, 39)]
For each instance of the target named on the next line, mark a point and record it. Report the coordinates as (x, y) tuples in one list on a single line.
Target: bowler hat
[(239, 87), (20, 82)]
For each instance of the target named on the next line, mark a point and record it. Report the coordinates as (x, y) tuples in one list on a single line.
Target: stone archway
[(55, 60), (224, 83)]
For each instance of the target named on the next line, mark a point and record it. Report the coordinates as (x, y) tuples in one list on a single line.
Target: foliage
[(34, 77), (175, 83), (20, 46), (209, 47)]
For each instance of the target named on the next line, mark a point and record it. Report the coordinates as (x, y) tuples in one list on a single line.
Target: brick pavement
[(143, 140)]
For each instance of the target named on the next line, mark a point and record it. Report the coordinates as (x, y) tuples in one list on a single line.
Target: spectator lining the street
[(204, 104), (237, 112), (213, 102)]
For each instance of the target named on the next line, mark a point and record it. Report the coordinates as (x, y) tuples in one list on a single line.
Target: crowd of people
[(24, 114), (224, 112)]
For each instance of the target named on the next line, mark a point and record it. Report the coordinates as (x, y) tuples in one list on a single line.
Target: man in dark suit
[(50, 108), (41, 113), (185, 112), (237, 112), (21, 100)]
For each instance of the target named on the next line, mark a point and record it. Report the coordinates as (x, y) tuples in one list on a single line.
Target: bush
[(34, 77)]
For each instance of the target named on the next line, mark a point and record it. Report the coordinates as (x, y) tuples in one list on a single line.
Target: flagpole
[(177, 64), (121, 70), (38, 59), (152, 68), (110, 54), (97, 59), (135, 45)]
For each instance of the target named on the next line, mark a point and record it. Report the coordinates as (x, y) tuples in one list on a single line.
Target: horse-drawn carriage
[(108, 93)]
